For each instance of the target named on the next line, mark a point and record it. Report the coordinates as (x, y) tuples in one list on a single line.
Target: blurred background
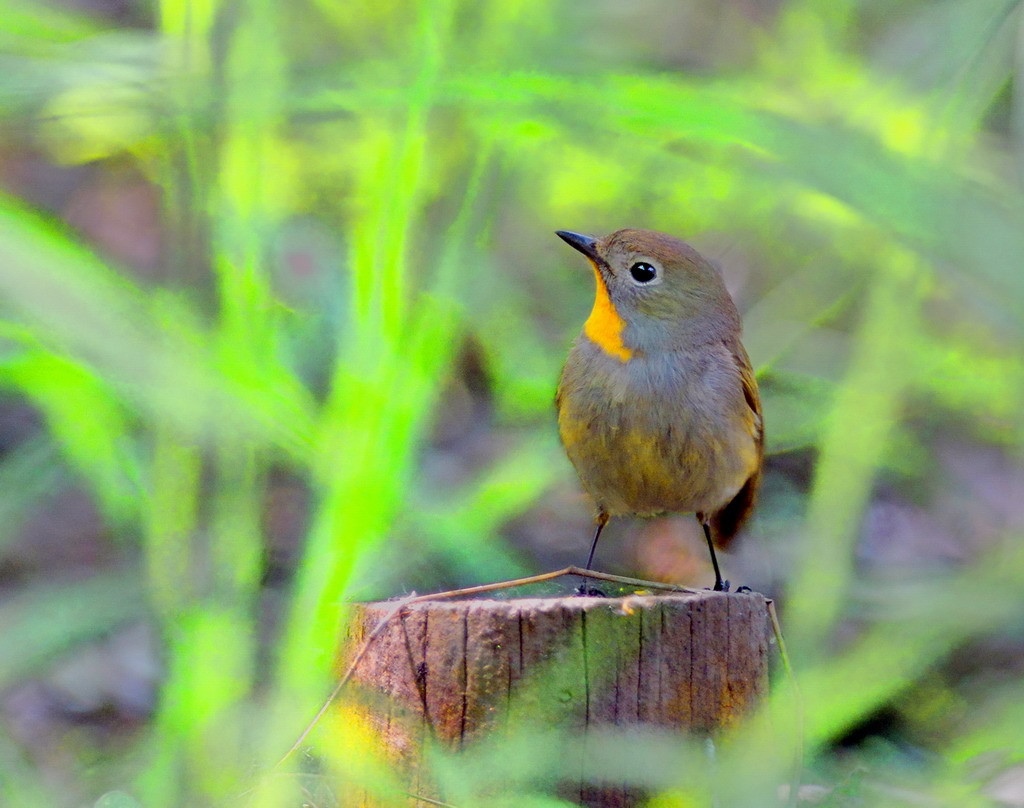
[(282, 315)]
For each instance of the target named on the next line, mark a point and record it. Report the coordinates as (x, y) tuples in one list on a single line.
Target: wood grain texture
[(460, 676)]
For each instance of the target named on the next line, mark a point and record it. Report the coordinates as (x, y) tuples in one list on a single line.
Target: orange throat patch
[(604, 325)]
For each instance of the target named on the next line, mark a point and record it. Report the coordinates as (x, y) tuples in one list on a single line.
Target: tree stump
[(466, 676)]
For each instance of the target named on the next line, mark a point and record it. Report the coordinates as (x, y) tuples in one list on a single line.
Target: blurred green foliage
[(864, 161)]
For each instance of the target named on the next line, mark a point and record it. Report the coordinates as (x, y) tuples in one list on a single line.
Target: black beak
[(585, 244)]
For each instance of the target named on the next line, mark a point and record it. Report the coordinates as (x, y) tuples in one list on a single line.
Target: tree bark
[(461, 676)]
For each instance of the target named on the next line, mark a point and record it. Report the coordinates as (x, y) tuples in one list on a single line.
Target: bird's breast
[(655, 434)]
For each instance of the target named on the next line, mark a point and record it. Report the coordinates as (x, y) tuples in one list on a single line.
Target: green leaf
[(88, 420)]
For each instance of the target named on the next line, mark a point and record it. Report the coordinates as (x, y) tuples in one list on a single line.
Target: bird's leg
[(720, 585), (602, 520), (583, 589)]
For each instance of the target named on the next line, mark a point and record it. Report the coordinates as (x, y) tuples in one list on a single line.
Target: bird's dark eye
[(643, 272)]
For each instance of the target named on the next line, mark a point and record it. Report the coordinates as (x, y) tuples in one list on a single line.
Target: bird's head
[(654, 291)]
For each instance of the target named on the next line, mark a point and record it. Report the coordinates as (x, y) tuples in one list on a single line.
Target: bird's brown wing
[(727, 522)]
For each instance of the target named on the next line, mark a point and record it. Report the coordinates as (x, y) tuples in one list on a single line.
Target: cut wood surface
[(459, 675)]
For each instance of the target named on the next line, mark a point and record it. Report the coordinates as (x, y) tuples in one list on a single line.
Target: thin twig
[(427, 800), (548, 576), (619, 579), (348, 673), (476, 590), (798, 700)]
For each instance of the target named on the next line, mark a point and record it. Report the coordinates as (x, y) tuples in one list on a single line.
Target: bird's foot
[(586, 591), (723, 586)]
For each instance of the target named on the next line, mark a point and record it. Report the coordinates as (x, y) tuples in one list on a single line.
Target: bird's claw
[(724, 587)]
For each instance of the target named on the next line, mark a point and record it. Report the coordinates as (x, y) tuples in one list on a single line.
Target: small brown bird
[(658, 408)]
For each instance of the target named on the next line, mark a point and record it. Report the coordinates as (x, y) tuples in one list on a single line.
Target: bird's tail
[(726, 523)]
